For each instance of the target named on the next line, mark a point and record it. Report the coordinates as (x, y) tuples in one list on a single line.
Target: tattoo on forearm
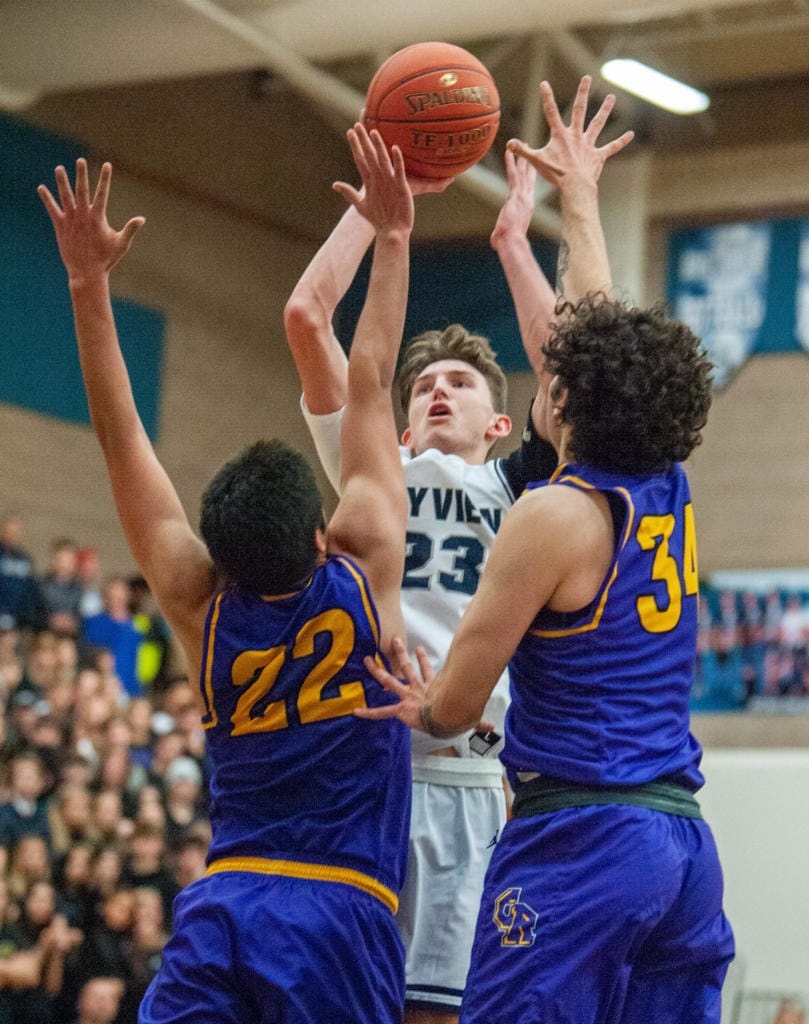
[(430, 725), (562, 263)]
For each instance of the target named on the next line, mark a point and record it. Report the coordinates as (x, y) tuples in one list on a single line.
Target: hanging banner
[(742, 287)]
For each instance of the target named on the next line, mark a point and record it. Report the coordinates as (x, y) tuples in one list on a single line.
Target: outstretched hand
[(88, 245), (517, 211), (412, 692), (385, 199), (571, 152)]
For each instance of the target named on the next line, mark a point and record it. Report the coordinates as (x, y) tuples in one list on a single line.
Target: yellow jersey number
[(259, 670), (654, 534)]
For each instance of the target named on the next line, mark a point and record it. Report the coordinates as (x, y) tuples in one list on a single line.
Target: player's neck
[(473, 456)]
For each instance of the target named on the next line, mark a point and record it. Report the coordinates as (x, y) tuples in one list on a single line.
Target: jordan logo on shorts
[(515, 919)]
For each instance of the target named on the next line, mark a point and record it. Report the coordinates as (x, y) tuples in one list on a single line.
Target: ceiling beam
[(328, 91)]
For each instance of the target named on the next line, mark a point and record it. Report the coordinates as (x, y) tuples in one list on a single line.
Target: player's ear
[(320, 541), (407, 437), (558, 392), (499, 427)]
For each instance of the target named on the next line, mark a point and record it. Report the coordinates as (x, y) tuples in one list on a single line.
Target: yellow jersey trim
[(316, 872), (212, 716), (286, 597), (630, 518), (366, 603)]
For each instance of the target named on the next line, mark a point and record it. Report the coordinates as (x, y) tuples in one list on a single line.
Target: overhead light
[(654, 86)]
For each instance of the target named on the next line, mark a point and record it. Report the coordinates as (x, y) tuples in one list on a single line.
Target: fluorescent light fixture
[(654, 86)]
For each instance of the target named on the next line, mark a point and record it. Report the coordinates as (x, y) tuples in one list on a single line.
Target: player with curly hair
[(453, 395), (603, 898)]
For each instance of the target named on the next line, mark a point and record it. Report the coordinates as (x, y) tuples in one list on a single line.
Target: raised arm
[(309, 322), (553, 547), (309, 313), (573, 162), (369, 522), (533, 297), (172, 559)]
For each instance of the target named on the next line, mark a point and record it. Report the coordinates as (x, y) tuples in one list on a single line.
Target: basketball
[(438, 104)]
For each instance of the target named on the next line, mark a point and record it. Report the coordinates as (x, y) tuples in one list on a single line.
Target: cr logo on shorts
[(515, 919)]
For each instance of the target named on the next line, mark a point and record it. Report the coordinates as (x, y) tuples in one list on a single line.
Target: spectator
[(23, 714), (167, 747), (139, 717), (99, 1000), (47, 928), (114, 629), (73, 880), (182, 703), (29, 863), (116, 772), (149, 936), (70, 817), (42, 663), (23, 814), (146, 865), (151, 810), (88, 570), (77, 770), (20, 602), (155, 649), (109, 823), (107, 945), (105, 876), (11, 661), (183, 798), (61, 589), (61, 704), (20, 967), (190, 857)]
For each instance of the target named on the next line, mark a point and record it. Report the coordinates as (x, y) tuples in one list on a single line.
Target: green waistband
[(541, 796)]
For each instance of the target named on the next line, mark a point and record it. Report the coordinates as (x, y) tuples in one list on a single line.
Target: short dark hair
[(258, 518), (454, 342), (639, 384)]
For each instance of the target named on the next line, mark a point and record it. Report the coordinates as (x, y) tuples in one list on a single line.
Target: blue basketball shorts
[(600, 915), (266, 949)]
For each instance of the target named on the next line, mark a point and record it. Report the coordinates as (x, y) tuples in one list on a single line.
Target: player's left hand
[(411, 690)]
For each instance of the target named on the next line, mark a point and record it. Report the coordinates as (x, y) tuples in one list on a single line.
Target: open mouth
[(438, 410)]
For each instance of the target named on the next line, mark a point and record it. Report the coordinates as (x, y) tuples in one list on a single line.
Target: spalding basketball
[(438, 104)]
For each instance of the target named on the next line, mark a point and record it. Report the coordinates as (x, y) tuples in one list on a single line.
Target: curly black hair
[(258, 518), (639, 384)]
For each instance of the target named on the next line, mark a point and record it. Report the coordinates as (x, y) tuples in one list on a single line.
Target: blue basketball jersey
[(299, 785), (614, 710)]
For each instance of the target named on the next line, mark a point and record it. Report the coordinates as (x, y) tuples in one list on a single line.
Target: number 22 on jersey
[(258, 672)]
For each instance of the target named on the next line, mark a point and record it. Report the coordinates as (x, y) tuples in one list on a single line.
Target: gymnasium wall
[(227, 378)]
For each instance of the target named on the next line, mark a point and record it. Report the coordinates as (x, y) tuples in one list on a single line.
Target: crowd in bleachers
[(103, 773), (103, 787), (753, 648)]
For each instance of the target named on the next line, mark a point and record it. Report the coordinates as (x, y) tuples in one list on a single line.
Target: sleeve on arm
[(535, 459), (325, 432)]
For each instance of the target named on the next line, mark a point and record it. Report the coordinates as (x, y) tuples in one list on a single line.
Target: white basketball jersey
[(455, 508)]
